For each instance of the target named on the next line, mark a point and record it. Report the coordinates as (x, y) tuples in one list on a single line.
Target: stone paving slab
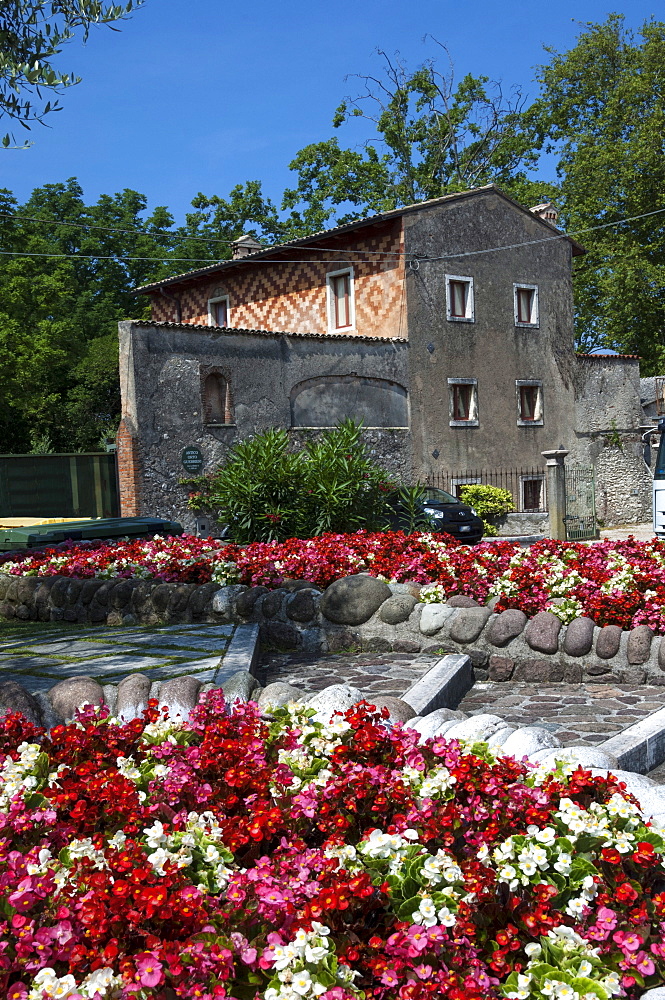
[(38, 655), (579, 714)]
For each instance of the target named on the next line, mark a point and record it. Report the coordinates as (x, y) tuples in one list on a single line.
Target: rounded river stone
[(608, 642), (397, 609), (468, 624), (244, 604), (73, 693), (353, 599), (542, 632), (461, 601), (399, 710), (277, 694), (506, 626), (179, 695), (523, 742), (301, 606), (272, 603), (579, 637), (639, 644), (15, 698), (133, 693)]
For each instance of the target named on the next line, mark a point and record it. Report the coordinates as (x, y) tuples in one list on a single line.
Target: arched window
[(217, 403)]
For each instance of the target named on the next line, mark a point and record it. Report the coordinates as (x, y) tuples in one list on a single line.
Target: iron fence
[(527, 485)]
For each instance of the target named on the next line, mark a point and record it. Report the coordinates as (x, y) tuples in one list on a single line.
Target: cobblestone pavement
[(373, 673), (580, 714), (38, 656)]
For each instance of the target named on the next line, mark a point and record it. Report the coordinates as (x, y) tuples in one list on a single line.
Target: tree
[(602, 111), (32, 33), (62, 292), (431, 137)]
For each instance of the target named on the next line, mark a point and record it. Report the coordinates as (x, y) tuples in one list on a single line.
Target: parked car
[(443, 512)]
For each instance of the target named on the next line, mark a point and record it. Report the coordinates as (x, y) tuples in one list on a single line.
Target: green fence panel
[(81, 485)]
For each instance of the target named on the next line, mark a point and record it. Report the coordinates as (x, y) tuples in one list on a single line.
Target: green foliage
[(489, 502), (266, 492), (411, 500), (33, 33), (431, 136), (40, 444), (602, 112)]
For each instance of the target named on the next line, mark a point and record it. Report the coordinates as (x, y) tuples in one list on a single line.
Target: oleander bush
[(267, 492)]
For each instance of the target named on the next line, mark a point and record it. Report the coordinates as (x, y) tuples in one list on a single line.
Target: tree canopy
[(602, 112), (68, 268), (32, 34)]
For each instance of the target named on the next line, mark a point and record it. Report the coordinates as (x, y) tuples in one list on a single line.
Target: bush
[(265, 492), (489, 502)]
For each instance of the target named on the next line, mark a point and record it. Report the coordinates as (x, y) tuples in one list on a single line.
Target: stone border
[(357, 612), (442, 686)]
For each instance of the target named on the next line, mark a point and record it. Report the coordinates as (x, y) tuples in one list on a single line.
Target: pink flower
[(628, 941), (644, 964), (149, 969), (606, 918)]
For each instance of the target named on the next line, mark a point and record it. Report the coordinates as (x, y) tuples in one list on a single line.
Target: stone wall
[(608, 415), (162, 369), (358, 612)]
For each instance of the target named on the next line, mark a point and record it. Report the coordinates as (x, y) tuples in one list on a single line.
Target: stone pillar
[(556, 491)]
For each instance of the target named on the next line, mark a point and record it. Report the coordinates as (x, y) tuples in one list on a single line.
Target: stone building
[(446, 326)]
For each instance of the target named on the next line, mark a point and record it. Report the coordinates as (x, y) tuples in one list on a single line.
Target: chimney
[(546, 211), (245, 245)]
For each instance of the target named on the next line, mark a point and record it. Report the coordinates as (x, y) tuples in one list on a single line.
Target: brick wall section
[(290, 296), (129, 473)]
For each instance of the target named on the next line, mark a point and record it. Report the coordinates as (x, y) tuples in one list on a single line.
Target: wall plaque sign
[(192, 458)]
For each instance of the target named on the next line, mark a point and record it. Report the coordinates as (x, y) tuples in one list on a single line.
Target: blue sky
[(205, 94)]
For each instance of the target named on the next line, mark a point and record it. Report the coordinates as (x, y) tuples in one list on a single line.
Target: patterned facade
[(289, 293)]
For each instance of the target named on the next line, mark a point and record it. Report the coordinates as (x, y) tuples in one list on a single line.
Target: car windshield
[(439, 496)]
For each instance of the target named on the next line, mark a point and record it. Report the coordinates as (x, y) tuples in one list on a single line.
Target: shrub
[(266, 492), (489, 502)]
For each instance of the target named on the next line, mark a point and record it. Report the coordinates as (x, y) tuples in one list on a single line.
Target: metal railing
[(527, 485)]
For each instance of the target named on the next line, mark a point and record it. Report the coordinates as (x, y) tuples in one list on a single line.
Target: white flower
[(301, 982), (532, 949), (154, 834), (447, 917), (564, 864)]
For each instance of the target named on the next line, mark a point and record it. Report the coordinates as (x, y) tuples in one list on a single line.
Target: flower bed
[(229, 857), (614, 583)]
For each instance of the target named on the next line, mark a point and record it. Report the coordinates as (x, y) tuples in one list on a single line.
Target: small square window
[(218, 311), (526, 305), (459, 299), (341, 311), (463, 402), (529, 403), (532, 493)]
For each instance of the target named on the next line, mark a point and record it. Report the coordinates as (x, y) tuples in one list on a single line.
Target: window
[(341, 312), (217, 402), (459, 299), (529, 402), (526, 305), (532, 493), (463, 402), (218, 311)]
